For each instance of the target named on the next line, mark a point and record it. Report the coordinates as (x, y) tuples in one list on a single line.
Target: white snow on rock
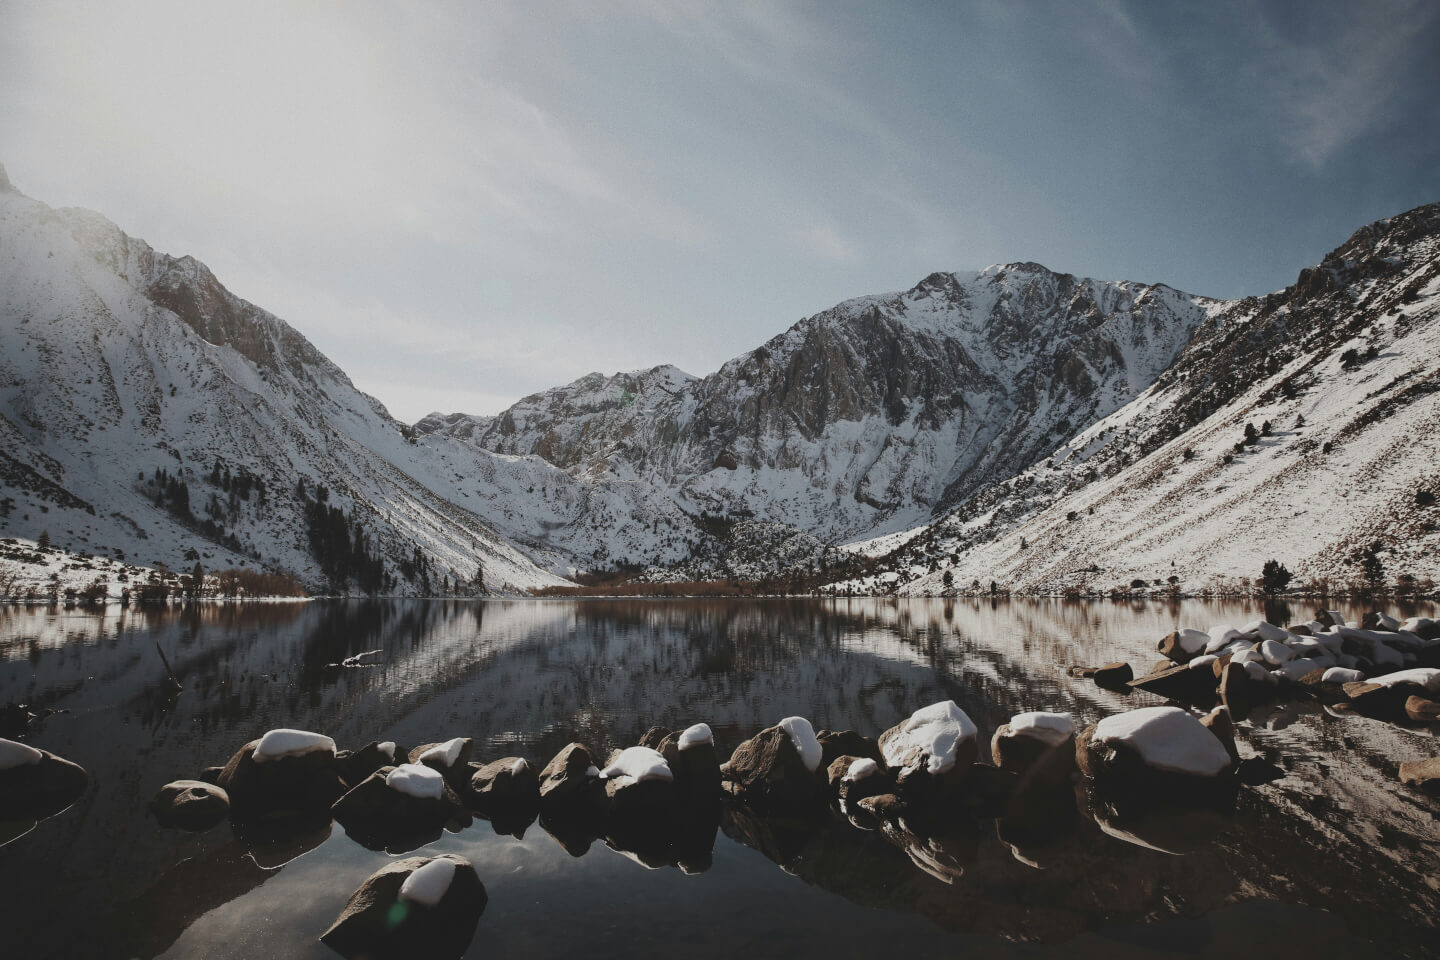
[(1416, 624), (416, 780), (1256, 671), (1193, 641), (860, 769), (519, 766), (1388, 622), (1295, 669), (387, 748), (429, 882), (1204, 660), (1221, 637), (445, 753), (1427, 677), (291, 743), (1382, 654), (1268, 631), (1335, 617), (634, 764), (696, 736), (592, 771), (1342, 675), (1276, 652), (1166, 738), (802, 735), (938, 730), (14, 754), (1051, 728)]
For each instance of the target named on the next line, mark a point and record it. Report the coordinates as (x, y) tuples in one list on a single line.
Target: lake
[(1335, 858)]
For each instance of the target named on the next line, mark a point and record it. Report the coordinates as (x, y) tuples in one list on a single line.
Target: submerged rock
[(413, 908), (190, 805)]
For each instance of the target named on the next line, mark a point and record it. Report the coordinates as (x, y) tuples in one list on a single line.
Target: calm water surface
[(1333, 859)]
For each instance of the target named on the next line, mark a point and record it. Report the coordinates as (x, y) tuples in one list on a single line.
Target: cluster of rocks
[(1373, 669)]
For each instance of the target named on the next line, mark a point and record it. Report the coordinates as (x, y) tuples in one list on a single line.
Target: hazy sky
[(464, 203)]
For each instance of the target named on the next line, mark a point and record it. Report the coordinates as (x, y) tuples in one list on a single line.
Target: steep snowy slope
[(144, 409), (870, 416), (1339, 375)]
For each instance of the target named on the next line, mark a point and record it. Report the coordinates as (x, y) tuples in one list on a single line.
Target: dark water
[(1333, 859)]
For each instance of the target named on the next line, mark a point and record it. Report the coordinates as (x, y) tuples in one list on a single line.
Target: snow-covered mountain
[(1302, 426), (145, 409), (1014, 424), (869, 417)]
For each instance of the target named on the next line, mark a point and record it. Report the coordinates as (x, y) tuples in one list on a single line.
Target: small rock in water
[(1114, 676), (418, 907), (190, 805)]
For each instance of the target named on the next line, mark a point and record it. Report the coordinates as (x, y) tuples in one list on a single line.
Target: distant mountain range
[(968, 424)]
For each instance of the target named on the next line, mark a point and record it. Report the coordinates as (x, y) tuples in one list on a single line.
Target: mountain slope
[(1344, 366), (872, 415)]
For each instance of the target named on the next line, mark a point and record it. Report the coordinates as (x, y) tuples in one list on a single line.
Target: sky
[(464, 203)]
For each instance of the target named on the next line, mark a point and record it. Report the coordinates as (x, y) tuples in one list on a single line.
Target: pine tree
[(43, 544)]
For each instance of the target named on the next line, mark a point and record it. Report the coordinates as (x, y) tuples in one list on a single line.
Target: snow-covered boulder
[(778, 768), (190, 805), (398, 807), (418, 907), (1384, 696), (35, 784), (504, 787), (931, 752), (451, 758), (356, 765), (637, 780), (694, 762), (1038, 746), (1182, 645), (283, 772), (1155, 754)]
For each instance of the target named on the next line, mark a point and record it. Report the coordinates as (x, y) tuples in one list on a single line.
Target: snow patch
[(445, 753), (1342, 675), (416, 780), (860, 769), (634, 764), (387, 748), (802, 735), (14, 754), (291, 743), (1427, 677), (429, 882), (1051, 728), (696, 736)]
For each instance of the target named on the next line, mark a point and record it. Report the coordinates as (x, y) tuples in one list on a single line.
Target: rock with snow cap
[(1383, 697), (36, 784), (1376, 620), (931, 752), (190, 805), (451, 758), (1182, 645), (778, 769), (692, 758), (398, 806), (1038, 746), (356, 765), (285, 772), (1163, 754), (418, 907), (503, 787), (845, 743), (637, 781), (571, 778), (852, 779)]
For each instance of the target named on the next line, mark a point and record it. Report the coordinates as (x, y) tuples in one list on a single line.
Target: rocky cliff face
[(872, 415)]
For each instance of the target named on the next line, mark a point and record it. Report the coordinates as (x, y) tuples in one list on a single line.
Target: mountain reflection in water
[(1335, 858)]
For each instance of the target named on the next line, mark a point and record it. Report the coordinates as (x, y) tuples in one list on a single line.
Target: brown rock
[(1381, 702), (654, 737), (696, 768), (1114, 676), (1241, 692), (1218, 722), (1037, 763), (190, 805), (505, 786), (846, 743), (457, 771), (1422, 710), (1424, 774), (294, 785), (768, 772), (1183, 683), (855, 790), (566, 779), (356, 765), (1171, 649), (1080, 673), (377, 924), (885, 806), (378, 816)]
